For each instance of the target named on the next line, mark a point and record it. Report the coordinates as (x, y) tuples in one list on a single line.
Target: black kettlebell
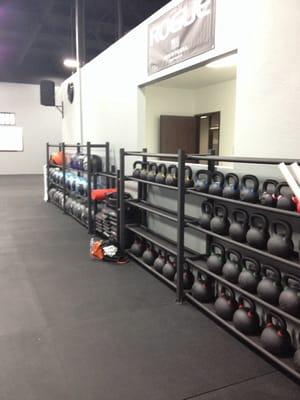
[(202, 289), (202, 180), (217, 182), (144, 170), (297, 360), (206, 214), (152, 172), (249, 192), (289, 299), (161, 174), (231, 188), (239, 226), (188, 177), (169, 269), (285, 200), (216, 259), (159, 262), (226, 304), (268, 197), (219, 223), (232, 267), (245, 318), (187, 278), (138, 247), (269, 288), (258, 235), (149, 254), (137, 166), (280, 243), (275, 337), (250, 275), (172, 174)]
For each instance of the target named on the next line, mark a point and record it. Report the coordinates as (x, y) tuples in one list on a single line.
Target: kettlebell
[(239, 226), (137, 247), (219, 223), (226, 304), (258, 235), (137, 166), (245, 318), (172, 174), (149, 254), (275, 337), (280, 244), (206, 214), (202, 180), (202, 289), (217, 182), (285, 201), (159, 262), (216, 259), (231, 187), (144, 170), (161, 174), (232, 267), (249, 193), (152, 172), (169, 269), (188, 177), (268, 197), (249, 277), (289, 299), (297, 360), (269, 288), (187, 278)]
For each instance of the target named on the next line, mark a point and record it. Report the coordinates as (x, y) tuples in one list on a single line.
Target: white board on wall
[(11, 138)]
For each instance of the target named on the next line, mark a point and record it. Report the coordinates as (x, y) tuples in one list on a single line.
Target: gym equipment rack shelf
[(91, 177), (198, 260)]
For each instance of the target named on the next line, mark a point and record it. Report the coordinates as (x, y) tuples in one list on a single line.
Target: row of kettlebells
[(254, 229), (72, 206), (264, 280), (74, 183)]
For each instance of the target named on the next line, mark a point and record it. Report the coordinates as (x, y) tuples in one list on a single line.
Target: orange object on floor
[(100, 194), (97, 250)]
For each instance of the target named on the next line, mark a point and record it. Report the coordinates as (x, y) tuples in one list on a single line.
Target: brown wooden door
[(178, 132)]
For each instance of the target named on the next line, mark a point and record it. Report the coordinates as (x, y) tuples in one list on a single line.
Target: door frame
[(209, 114)]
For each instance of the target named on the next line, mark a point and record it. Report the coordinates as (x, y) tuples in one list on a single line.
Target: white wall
[(40, 125), (268, 83), (219, 97)]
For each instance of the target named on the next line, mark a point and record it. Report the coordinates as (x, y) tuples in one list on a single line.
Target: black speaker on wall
[(47, 93)]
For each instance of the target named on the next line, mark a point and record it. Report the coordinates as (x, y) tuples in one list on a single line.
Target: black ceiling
[(36, 35)]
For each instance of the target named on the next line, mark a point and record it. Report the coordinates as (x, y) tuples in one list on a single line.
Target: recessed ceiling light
[(70, 63), (224, 62)]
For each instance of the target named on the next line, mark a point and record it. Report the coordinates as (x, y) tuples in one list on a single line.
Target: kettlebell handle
[(241, 212), (188, 172), (219, 247), (205, 172), (289, 277), (232, 177), (281, 185), (230, 252), (162, 169), (227, 292), (275, 271), (251, 178), (261, 218), (267, 183), (280, 322), (253, 263), (173, 170), (136, 163), (223, 209), (243, 300), (217, 176), (153, 167), (207, 207), (202, 277), (287, 229)]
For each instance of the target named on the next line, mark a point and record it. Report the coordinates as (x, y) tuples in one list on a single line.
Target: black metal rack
[(198, 261), (91, 176)]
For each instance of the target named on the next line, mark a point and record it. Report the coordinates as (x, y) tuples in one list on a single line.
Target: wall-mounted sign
[(181, 33)]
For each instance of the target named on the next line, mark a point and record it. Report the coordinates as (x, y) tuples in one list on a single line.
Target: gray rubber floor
[(71, 328)]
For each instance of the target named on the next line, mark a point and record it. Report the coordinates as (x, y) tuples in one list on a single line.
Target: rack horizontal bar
[(244, 246), (131, 178), (246, 160), (201, 266), (161, 155), (244, 204)]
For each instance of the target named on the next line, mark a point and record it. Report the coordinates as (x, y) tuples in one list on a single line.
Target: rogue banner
[(183, 32)]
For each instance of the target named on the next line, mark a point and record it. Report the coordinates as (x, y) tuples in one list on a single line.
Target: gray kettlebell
[(269, 288), (217, 182), (216, 259), (206, 214), (202, 180), (289, 299), (280, 243), (250, 275), (172, 174), (226, 304), (245, 318), (159, 262), (275, 337), (231, 187), (149, 254), (137, 166), (152, 172), (257, 236), (249, 192), (202, 289), (232, 267), (239, 226), (219, 223)]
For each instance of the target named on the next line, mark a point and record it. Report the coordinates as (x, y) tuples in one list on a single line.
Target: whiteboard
[(11, 138)]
